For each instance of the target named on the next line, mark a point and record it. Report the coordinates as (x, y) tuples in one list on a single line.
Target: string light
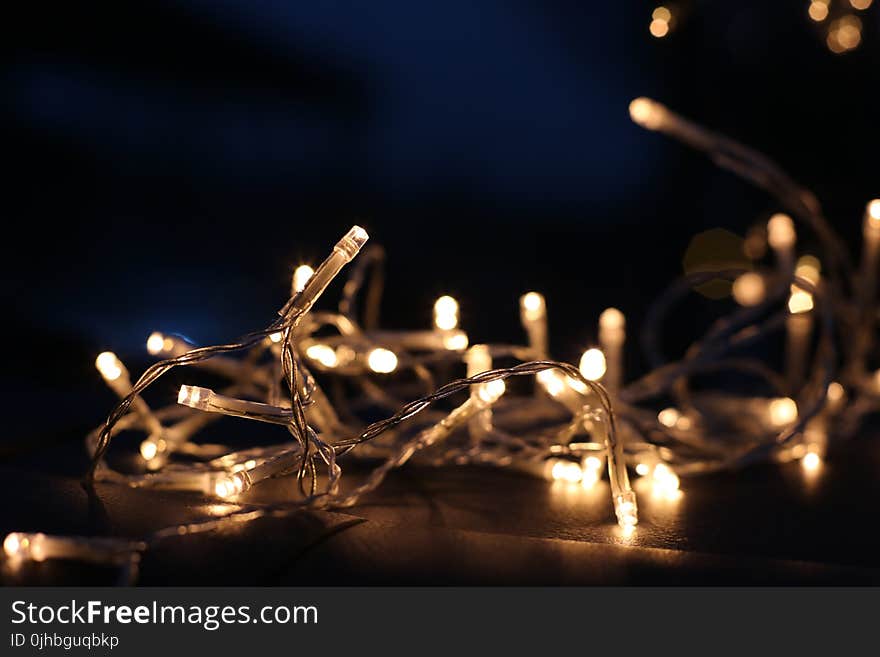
[(571, 431), (301, 276)]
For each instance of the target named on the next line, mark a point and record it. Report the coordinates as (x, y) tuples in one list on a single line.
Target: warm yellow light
[(800, 301), (873, 213), (553, 381), (748, 289), (835, 391), (612, 319), (809, 268), (301, 276), (149, 449), (229, 486), (783, 410), (275, 337), (490, 392), (811, 461), (322, 353), (668, 417), (664, 479), (155, 343), (661, 13), (446, 313), (382, 361), (647, 113), (456, 341), (818, 11), (592, 364), (533, 306), (109, 365), (780, 231), (659, 28), (642, 469), (12, 544), (860, 4), (566, 471)]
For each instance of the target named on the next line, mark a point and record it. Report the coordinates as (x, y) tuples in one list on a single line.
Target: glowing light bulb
[(553, 381), (748, 289), (872, 215), (860, 4), (811, 461), (566, 471), (626, 509), (229, 486), (800, 301), (668, 417), (325, 355), (275, 337), (194, 396), (12, 544), (382, 360), (612, 319), (647, 113), (591, 470), (149, 449), (533, 306), (301, 276), (780, 231), (818, 11), (835, 392), (592, 364), (456, 341), (661, 13), (109, 366), (642, 469), (783, 410), (446, 313), (664, 479), (155, 343), (490, 392), (659, 28)]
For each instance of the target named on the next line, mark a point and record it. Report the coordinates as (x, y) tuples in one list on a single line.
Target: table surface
[(770, 524)]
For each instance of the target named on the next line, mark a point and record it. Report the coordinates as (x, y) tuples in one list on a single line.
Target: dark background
[(169, 163)]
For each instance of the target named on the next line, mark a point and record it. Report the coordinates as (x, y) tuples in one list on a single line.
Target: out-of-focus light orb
[(324, 354), (780, 231), (783, 410), (860, 4), (873, 213), (155, 343), (592, 364), (800, 301), (108, 365), (552, 380), (612, 319), (149, 449), (566, 471), (659, 28), (446, 313), (490, 392), (818, 11), (456, 342), (668, 417), (275, 337), (662, 13), (749, 289), (533, 305), (382, 360), (835, 391), (301, 276), (12, 544), (646, 113), (664, 479), (642, 469), (811, 461)]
